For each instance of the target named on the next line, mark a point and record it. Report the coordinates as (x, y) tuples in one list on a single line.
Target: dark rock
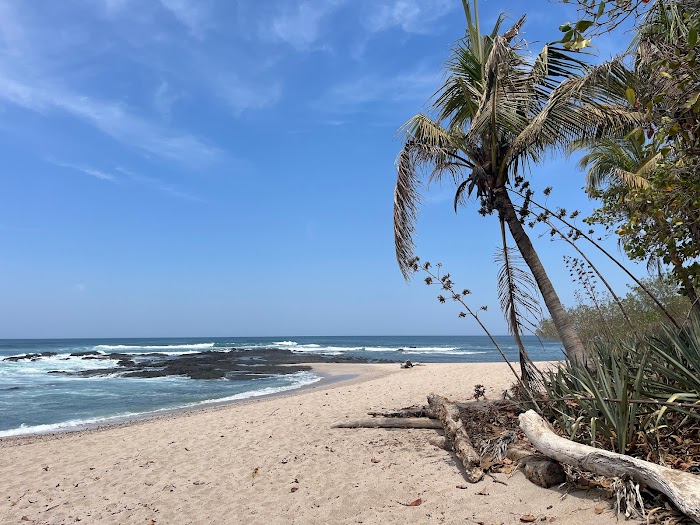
[(25, 357), (83, 354), (234, 364)]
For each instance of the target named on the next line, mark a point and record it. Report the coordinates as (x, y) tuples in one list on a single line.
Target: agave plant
[(635, 389)]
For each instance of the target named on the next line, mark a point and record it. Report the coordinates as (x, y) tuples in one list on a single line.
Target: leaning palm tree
[(497, 113)]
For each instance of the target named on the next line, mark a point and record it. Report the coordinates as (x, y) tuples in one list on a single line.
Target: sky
[(226, 168)]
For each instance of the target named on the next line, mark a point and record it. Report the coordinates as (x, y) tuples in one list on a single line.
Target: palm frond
[(587, 106), (622, 161), (517, 291), (427, 144), (406, 199)]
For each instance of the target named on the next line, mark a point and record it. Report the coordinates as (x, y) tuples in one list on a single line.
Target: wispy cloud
[(356, 95), (87, 170), (164, 98), (412, 16), (191, 14), (301, 26), (158, 185), (240, 96), (111, 118)]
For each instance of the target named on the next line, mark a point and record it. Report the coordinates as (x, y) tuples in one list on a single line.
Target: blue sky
[(223, 168)]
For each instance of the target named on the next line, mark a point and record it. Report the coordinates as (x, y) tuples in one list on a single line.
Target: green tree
[(649, 181), (593, 323), (497, 112)]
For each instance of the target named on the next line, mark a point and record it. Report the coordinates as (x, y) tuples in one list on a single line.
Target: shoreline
[(330, 374), (279, 461)]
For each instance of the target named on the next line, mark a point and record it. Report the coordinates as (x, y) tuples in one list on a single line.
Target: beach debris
[(413, 411), (390, 422), (375, 460), (414, 503), (483, 492), (528, 518), (293, 489), (683, 488), (448, 415), (25, 518), (462, 487), (256, 472)]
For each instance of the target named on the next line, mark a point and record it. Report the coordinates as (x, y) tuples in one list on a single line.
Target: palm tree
[(496, 113)]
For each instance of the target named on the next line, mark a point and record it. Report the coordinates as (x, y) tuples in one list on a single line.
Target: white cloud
[(348, 97), (190, 14), (301, 27), (87, 170), (158, 185), (241, 96), (412, 16), (112, 119), (164, 98)]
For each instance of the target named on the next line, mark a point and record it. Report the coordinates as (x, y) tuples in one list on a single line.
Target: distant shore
[(277, 460)]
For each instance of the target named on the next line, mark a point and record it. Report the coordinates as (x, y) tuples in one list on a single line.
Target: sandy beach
[(277, 461)]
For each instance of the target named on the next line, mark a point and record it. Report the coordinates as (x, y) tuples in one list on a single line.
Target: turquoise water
[(34, 400)]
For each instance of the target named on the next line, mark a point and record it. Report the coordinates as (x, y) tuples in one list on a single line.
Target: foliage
[(499, 111), (649, 181), (640, 397), (595, 323)]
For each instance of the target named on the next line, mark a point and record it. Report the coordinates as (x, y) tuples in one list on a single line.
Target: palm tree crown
[(497, 112)]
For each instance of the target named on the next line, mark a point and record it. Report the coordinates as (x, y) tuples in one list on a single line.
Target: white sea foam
[(338, 350), (194, 346)]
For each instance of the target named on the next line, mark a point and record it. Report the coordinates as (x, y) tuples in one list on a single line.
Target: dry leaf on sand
[(528, 518), (414, 503)]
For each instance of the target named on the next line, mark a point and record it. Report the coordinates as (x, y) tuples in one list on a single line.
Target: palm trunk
[(575, 351)]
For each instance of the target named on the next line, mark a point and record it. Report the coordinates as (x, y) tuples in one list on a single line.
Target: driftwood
[(681, 487), (405, 412), (448, 415), (390, 422)]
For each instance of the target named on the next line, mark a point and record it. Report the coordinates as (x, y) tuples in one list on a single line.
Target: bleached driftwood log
[(448, 414), (390, 422), (681, 487)]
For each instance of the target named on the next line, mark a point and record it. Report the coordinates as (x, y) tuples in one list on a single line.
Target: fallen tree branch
[(448, 415), (681, 487), (390, 422), (406, 412)]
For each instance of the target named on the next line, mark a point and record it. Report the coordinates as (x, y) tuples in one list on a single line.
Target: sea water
[(34, 398)]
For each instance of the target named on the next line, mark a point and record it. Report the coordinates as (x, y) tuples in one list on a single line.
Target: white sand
[(277, 461)]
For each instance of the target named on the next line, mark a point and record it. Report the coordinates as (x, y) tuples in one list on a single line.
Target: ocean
[(53, 385)]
